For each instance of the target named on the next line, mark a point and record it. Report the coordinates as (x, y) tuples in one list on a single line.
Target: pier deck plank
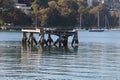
[(31, 30)]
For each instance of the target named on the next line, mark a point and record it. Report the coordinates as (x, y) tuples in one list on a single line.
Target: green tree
[(20, 18), (6, 4), (68, 12), (35, 7), (52, 4), (67, 7), (44, 16)]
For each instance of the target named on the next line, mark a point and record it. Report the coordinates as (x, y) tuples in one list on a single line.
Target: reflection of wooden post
[(75, 38), (24, 37), (24, 46), (50, 40)]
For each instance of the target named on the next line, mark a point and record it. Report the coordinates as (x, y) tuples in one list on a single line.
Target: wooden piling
[(24, 37), (75, 38), (61, 33), (42, 40), (31, 39), (65, 41), (30, 36), (59, 40), (49, 40), (56, 42)]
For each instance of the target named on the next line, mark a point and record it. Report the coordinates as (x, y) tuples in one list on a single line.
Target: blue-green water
[(97, 57)]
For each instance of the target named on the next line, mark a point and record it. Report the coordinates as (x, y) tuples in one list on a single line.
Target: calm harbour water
[(97, 57)]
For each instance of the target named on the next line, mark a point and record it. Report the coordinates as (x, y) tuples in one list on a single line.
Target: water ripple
[(91, 61)]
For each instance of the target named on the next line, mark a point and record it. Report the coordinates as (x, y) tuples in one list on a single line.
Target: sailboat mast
[(98, 23), (105, 21), (80, 20), (119, 19)]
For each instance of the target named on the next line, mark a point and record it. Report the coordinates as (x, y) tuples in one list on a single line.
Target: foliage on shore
[(54, 13)]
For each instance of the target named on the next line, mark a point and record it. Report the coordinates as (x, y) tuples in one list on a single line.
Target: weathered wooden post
[(34, 40), (56, 42), (49, 40), (59, 40), (31, 39), (24, 37), (65, 40), (42, 40), (75, 38)]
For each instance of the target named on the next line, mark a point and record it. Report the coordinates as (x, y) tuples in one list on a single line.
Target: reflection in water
[(28, 53), (41, 60), (97, 57), (48, 50), (87, 61)]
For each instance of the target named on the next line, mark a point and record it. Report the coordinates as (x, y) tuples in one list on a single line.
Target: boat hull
[(96, 30)]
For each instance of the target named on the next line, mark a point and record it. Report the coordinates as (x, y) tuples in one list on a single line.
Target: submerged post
[(62, 40), (42, 40), (65, 40), (58, 40), (75, 38), (31, 39), (49, 40)]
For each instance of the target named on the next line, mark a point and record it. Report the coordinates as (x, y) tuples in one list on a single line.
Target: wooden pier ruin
[(63, 34)]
